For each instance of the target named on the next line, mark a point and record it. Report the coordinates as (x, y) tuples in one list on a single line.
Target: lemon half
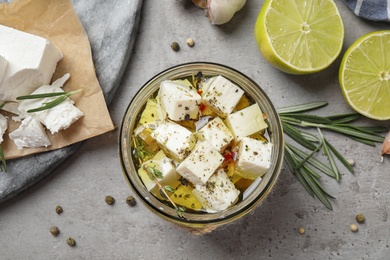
[(299, 36), (365, 75)]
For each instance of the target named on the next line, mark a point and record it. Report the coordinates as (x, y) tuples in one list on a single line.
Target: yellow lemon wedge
[(365, 75), (299, 36)]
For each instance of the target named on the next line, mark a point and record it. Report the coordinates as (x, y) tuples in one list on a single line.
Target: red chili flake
[(202, 107)]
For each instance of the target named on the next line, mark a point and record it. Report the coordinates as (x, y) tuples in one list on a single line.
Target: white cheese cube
[(218, 193), (30, 134), (3, 67), (32, 61), (203, 161), (176, 140), (179, 99), (217, 133), (165, 166), (222, 96), (57, 118), (3, 126), (246, 121), (254, 158)]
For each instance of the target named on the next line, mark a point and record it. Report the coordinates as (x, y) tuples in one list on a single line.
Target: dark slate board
[(111, 27)]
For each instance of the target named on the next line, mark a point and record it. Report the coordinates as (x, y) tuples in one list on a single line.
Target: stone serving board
[(111, 27)]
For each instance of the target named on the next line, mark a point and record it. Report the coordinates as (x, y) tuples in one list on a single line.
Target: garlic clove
[(386, 145), (222, 11)]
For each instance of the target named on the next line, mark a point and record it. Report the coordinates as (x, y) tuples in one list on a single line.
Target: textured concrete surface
[(270, 232)]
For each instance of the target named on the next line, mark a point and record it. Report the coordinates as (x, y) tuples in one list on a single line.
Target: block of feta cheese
[(217, 133), (218, 193), (246, 121), (30, 134), (222, 96), (254, 158), (3, 126), (57, 118), (203, 161), (165, 166), (176, 140), (179, 99), (32, 61), (3, 67)]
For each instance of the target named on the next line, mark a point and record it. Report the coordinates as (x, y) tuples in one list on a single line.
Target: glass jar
[(201, 221)]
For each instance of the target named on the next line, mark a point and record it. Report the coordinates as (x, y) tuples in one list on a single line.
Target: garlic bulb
[(221, 11), (386, 145)]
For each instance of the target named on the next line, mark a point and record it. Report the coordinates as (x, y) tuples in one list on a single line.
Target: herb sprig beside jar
[(143, 155), (303, 165)]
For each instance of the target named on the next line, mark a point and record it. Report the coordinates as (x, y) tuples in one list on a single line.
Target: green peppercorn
[(360, 218), (131, 201), (175, 46), (54, 231), (59, 210), (71, 242), (110, 200)]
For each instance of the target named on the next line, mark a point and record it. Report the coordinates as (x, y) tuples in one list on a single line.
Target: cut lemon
[(299, 36), (365, 75)]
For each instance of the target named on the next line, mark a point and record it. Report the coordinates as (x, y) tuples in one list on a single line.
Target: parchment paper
[(57, 21)]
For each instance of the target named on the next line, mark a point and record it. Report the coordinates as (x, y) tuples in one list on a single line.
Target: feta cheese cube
[(254, 158), (217, 134), (179, 99), (203, 161), (3, 67), (218, 193), (3, 126), (246, 121), (57, 118), (30, 134), (176, 140), (222, 96), (167, 169), (32, 61)]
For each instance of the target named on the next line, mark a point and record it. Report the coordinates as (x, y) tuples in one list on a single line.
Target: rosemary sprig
[(3, 161), (142, 155), (303, 165), (61, 97)]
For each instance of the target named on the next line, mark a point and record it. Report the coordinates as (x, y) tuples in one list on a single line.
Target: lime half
[(299, 36), (365, 75)]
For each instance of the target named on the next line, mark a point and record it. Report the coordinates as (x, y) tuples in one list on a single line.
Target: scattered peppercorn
[(71, 242), (131, 201), (109, 200), (175, 46), (360, 218), (354, 228), (54, 231), (301, 230), (190, 42), (59, 210), (351, 162)]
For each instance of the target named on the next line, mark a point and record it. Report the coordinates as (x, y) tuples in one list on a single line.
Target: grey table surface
[(270, 231)]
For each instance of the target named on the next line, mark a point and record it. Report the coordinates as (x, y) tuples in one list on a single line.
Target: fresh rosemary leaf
[(364, 141), (347, 118), (297, 136), (330, 156), (50, 104), (323, 189), (318, 191), (301, 108), (376, 129), (355, 133), (308, 157), (310, 118), (169, 188), (340, 157), (311, 171), (310, 137), (42, 95), (312, 161), (359, 129), (3, 161)]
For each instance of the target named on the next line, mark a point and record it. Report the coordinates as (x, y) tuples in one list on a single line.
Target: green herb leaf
[(297, 136), (3, 161), (340, 157), (302, 107), (169, 188), (309, 118), (330, 157)]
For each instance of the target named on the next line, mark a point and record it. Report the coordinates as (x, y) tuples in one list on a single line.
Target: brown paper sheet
[(57, 21)]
